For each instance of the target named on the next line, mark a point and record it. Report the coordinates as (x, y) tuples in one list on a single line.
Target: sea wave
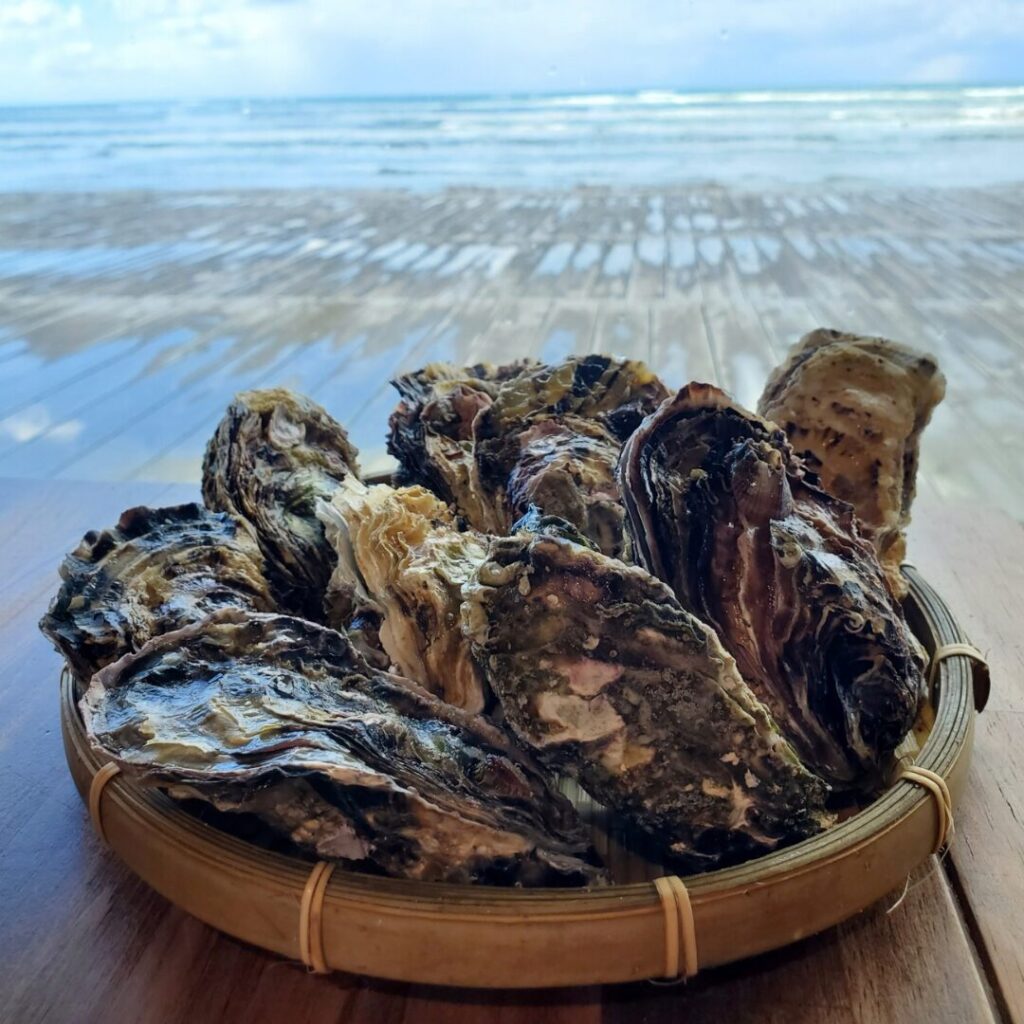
[(927, 134)]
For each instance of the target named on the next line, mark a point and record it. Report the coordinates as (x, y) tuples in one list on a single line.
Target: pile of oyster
[(689, 609)]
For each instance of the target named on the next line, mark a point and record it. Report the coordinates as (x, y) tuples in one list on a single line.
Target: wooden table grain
[(82, 940)]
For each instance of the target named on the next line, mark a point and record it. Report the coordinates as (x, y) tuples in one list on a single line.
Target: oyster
[(272, 457), (431, 430), (566, 467), (602, 673), (493, 442), (399, 550), (719, 508), (280, 718), (854, 408), (156, 570), (617, 392), (551, 438)]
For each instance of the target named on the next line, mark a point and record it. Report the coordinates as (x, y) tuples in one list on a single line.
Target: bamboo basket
[(496, 938)]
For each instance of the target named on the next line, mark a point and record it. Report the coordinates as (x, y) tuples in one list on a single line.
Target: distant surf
[(895, 136)]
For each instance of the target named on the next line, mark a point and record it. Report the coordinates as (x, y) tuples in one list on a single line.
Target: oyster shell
[(551, 438), (719, 508), (854, 408), (430, 432), (494, 441), (536, 522), (158, 569), (271, 458), (602, 673), (566, 467), (279, 717), (400, 551), (616, 392)]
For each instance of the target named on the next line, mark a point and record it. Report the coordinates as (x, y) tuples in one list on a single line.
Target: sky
[(87, 50)]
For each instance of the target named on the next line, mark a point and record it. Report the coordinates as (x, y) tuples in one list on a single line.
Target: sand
[(127, 320)]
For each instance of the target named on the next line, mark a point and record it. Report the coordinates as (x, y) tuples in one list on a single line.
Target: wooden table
[(120, 343), (82, 940)]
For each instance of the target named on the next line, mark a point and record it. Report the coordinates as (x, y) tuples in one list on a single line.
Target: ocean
[(894, 136)]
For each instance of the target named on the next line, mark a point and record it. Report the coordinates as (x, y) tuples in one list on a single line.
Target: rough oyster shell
[(854, 408), (551, 438), (431, 430), (719, 508), (617, 392), (494, 441), (602, 673), (280, 718), (566, 467), (271, 458), (155, 571), (400, 551)]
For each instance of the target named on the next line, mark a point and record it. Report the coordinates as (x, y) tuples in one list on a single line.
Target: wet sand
[(127, 320)]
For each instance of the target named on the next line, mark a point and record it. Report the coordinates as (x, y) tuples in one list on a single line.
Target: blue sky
[(52, 50)]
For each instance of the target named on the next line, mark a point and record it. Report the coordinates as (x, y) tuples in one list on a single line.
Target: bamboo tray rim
[(945, 751)]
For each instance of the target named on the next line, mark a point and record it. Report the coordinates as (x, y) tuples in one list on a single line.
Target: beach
[(128, 319)]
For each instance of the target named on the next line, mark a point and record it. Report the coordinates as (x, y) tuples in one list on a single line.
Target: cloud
[(33, 15), (941, 69), (144, 48)]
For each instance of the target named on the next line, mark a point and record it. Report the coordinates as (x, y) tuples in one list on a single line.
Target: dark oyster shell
[(430, 432), (617, 392), (566, 467), (494, 441), (602, 673), (278, 717), (719, 508), (854, 408), (157, 570), (399, 550), (272, 457), (551, 438)]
